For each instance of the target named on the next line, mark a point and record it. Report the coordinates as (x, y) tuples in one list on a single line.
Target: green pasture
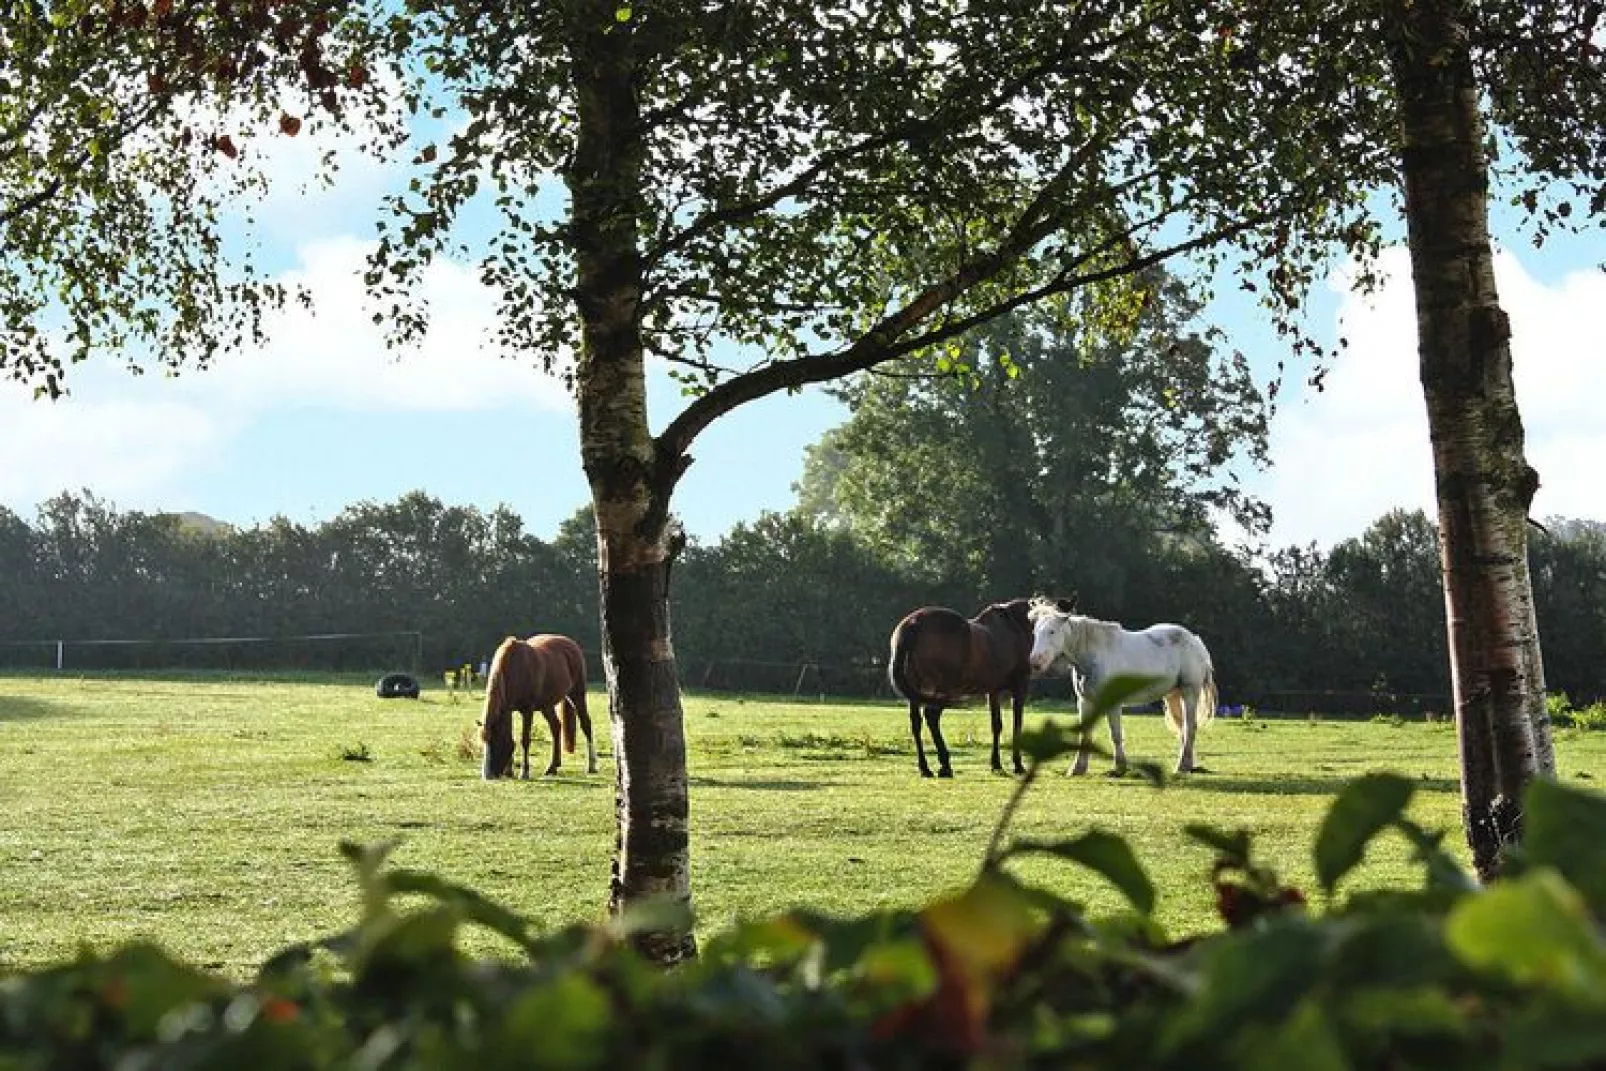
[(205, 812)]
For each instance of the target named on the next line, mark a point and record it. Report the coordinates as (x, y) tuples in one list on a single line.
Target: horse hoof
[(924, 772), (945, 772)]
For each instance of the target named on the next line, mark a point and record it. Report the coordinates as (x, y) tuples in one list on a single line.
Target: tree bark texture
[(1483, 481), (630, 486)]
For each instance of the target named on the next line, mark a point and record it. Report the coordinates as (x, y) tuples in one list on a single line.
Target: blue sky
[(325, 416)]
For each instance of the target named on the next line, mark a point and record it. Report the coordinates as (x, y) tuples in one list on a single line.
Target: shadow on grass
[(21, 708), (1297, 786), (758, 786)]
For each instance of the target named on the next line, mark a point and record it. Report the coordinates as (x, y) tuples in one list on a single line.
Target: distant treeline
[(785, 603)]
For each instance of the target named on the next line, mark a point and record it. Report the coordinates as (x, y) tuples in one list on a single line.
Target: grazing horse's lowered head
[(540, 673), (938, 657)]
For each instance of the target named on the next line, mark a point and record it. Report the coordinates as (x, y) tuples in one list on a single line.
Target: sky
[(325, 416)]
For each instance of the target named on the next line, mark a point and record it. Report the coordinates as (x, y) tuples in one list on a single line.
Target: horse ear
[(1066, 606)]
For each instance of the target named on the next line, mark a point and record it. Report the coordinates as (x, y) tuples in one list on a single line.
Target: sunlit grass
[(205, 812)]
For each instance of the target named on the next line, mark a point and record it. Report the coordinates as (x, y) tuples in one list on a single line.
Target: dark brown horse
[(939, 657), (530, 675)]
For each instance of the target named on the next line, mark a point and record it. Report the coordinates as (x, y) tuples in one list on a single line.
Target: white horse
[(1098, 650)]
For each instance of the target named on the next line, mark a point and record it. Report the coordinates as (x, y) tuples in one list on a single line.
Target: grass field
[(205, 812)]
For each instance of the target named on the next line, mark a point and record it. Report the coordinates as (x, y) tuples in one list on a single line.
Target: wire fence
[(382, 652), (329, 651)]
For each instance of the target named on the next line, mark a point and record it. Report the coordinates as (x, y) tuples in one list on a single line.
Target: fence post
[(60, 645)]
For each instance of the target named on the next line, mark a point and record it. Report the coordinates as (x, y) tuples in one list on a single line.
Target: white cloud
[(135, 440), (334, 356), (1348, 454), (125, 452)]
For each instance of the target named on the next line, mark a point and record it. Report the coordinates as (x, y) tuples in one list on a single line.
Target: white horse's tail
[(1173, 711), (1203, 713)]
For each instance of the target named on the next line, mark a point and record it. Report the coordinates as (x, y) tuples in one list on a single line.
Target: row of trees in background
[(786, 596)]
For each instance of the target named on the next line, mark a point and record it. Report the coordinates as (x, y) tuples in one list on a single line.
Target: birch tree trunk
[(630, 486), (1484, 483)]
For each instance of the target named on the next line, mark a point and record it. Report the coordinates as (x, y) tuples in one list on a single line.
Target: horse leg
[(1085, 743), (998, 728), (1190, 725), (591, 743), (551, 717), (527, 716), (934, 723), (914, 727), (1018, 705), (1117, 741)]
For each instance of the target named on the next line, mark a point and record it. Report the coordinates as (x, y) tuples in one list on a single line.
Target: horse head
[(496, 730), (1053, 632)]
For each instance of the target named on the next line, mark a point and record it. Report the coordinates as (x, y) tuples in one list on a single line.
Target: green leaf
[(1446, 877), (1305, 1040), (1105, 854), (658, 914), (1364, 808), (1402, 949), (1562, 829), (985, 927), (417, 939), (1535, 929), (1251, 975), (472, 905), (1544, 1035), (781, 939), (1420, 1012), (150, 984), (1233, 846), (901, 969), (1119, 690), (1049, 740), (622, 13), (564, 1023)]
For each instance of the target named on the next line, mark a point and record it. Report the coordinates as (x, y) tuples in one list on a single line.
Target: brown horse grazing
[(526, 676), (939, 657)]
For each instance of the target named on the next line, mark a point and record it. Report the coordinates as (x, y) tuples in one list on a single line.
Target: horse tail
[(570, 727), (1174, 710), (1208, 710), (903, 639), (574, 703)]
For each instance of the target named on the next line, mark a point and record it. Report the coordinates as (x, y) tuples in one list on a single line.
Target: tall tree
[(1048, 458), (1419, 91), (1484, 482), (1387, 579)]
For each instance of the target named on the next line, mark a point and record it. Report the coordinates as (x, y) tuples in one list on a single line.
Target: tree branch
[(887, 341), (912, 130)]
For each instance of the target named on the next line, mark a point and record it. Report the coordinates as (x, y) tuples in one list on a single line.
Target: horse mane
[(1083, 628), (502, 678), (1042, 606)]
